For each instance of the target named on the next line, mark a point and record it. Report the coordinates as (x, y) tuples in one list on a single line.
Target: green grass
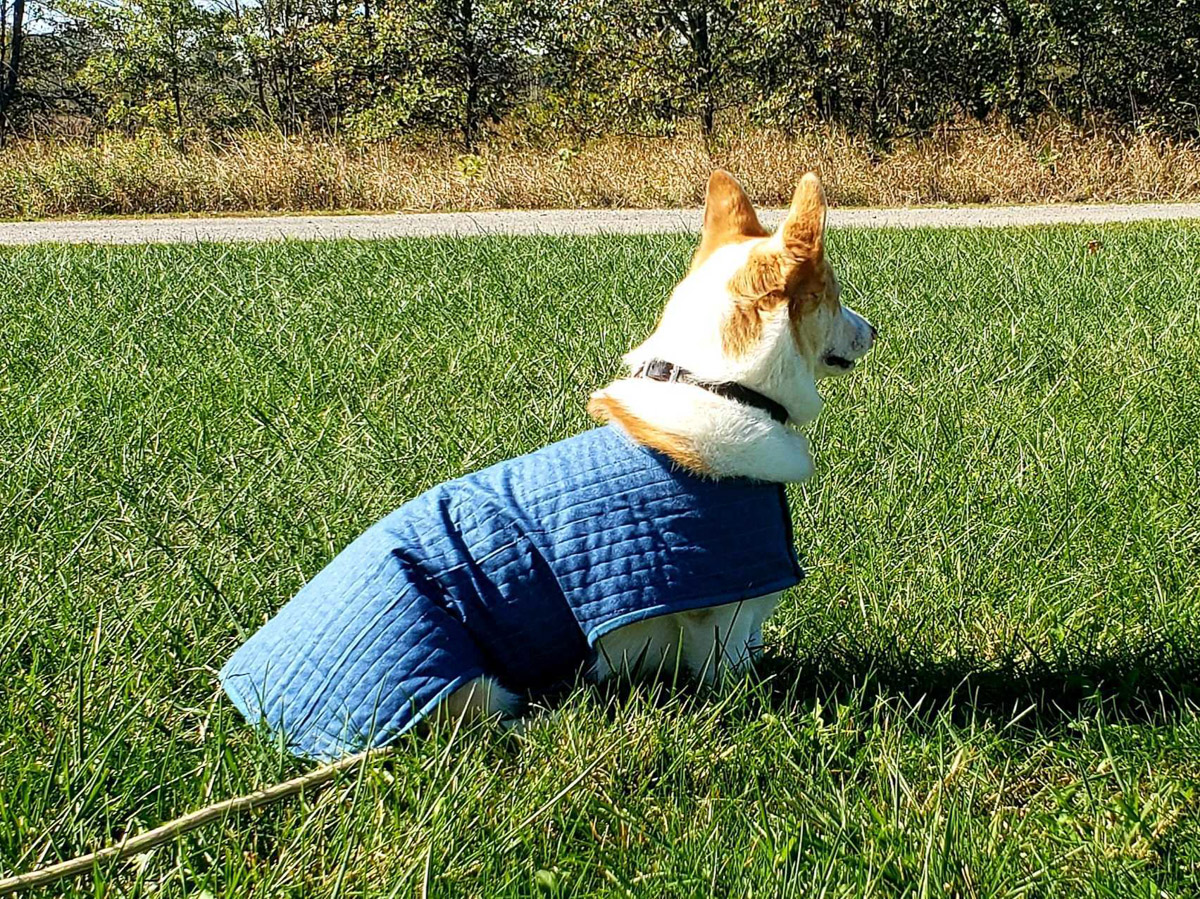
[(987, 686)]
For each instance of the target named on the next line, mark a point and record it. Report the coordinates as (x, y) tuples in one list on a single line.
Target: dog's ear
[(785, 269), (728, 216), (802, 234)]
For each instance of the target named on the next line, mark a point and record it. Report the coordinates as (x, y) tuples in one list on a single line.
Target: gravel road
[(555, 221)]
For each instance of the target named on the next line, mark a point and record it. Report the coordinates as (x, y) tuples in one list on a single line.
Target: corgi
[(756, 309), (660, 541)]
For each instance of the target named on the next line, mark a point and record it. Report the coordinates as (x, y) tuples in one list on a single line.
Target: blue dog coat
[(514, 572)]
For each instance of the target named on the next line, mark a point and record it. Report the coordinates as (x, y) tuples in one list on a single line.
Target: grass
[(1048, 162), (987, 686)]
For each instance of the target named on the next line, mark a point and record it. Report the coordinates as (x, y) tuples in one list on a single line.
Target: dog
[(659, 541)]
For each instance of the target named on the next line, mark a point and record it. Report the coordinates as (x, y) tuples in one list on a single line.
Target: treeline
[(376, 69)]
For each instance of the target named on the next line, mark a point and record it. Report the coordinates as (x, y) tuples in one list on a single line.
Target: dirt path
[(558, 221)]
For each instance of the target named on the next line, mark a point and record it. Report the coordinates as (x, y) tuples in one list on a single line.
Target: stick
[(167, 832)]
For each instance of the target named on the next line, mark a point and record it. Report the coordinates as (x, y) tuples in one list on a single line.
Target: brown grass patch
[(265, 173)]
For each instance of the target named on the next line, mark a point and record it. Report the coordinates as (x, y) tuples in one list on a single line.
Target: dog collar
[(669, 372)]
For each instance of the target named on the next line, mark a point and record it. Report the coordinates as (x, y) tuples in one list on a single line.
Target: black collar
[(658, 370)]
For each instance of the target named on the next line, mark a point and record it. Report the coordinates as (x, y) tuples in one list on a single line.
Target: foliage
[(378, 69), (626, 65), (162, 64)]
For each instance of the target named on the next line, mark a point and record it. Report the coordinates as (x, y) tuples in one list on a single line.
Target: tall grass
[(1053, 162)]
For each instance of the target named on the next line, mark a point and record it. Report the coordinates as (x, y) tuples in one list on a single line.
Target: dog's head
[(761, 309), (757, 309)]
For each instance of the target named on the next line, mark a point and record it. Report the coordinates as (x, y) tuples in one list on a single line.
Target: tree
[(10, 64), (1135, 61), (164, 64), (476, 51), (633, 63), (383, 68), (706, 28), (877, 67)]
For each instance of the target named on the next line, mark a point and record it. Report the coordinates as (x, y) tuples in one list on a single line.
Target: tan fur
[(679, 449), (789, 269), (804, 229), (759, 287), (729, 217)]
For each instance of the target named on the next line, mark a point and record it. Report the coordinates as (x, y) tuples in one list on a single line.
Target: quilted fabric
[(514, 571)]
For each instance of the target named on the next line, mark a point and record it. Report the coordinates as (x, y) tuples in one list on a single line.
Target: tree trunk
[(691, 22), (832, 94), (12, 73), (177, 100), (1016, 41), (176, 88), (879, 128), (3, 31), (704, 69), (470, 123), (471, 62)]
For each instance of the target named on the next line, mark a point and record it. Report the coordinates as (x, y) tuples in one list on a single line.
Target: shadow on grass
[(1147, 680)]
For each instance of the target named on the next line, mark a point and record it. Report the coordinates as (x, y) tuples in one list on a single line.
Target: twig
[(166, 832)]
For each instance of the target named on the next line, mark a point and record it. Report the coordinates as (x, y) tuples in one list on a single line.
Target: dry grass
[(994, 164)]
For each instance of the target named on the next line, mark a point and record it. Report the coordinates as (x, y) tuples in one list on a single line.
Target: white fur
[(732, 439), (702, 643), (482, 697)]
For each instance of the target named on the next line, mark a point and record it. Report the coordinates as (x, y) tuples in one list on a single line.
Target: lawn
[(987, 686)]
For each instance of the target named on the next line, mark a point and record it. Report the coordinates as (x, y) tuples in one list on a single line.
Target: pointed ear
[(728, 216), (802, 233)]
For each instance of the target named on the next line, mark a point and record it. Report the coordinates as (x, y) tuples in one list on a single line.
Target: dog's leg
[(642, 649), (760, 610), (482, 697), (727, 637), (706, 634)]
